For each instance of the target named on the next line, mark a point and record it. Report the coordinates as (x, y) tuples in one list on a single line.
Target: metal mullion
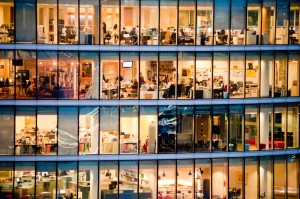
[(286, 175), (36, 129), (78, 124), (244, 177), (259, 78), (246, 23), (244, 71), (139, 129), (286, 108), (176, 183), (274, 73), (260, 27), (119, 118), (157, 175), (119, 75), (227, 177), (229, 28), (194, 132), (158, 31), (35, 174), (258, 176), (194, 77), (99, 178), (212, 73), (120, 13), (258, 134), (156, 139), (139, 70), (213, 21), (56, 136), (77, 187), (56, 181), (272, 162), (118, 167), (139, 35), (14, 138), (195, 36), (177, 35), (176, 130), (275, 25)]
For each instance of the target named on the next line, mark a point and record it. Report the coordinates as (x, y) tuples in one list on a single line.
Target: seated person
[(134, 36), (122, 33), (203, 38), (167, 39)]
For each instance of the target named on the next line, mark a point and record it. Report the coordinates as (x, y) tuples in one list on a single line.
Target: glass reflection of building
[(160, 99)]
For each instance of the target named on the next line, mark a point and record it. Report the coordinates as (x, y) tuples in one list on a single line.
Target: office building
[(160, 99)]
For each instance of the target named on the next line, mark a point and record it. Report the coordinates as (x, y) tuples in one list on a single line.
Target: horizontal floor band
[(147, 102), (146, 48), (152, 156)]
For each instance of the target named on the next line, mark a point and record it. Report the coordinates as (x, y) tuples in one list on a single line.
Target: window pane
[(219, 177), (267, 74), (294, 22), (185, 129), (7, 26), (168, 22), (6, 130), (186, 68), (24, 179), (186, 23), (203, 178), (47, 75), (108, 179), (280, 122), (89, 22), (251, 177), (252, 75), (67, 179), (25, 130), (26, 23), (219, 128), (167, 75), (237, 178), (221, 22), (89, 75), (279, 176), (253, 22), (109, 75), (166, 129), (149, 22), (25, 66), (166, 179), (129, 129), (68, 75), (221, 73), (47, 131), (7, 169), (67, 130), (148, 179), (293, 73), (203, 75), (148, 75), (236, 121), (7, 75), (202, 128), (205, 22), (88, 130), (88, 179), (238, 22), (68, 22), (268, 21), (282, 17), (252, 127), (237, 74), (45, 179), (185, 178), (148, 129), (109, 130), (280, 74), (129, 66), (292, 136), (266, 177), (129, 177), (129, 22), (46, 21), (110, 13), (292, 176), (266, 130)]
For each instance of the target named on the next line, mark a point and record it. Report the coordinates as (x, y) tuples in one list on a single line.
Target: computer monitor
[(127, 64)]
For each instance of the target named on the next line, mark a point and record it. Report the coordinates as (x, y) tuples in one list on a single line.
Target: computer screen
[(127, 64)]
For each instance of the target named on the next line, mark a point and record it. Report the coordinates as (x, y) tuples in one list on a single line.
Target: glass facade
[(150, 22)]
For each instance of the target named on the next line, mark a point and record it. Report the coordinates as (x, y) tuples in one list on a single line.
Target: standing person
[(104, 31), (142, 80), (115, 34)]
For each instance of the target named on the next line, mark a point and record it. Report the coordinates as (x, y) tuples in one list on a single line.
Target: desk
[(109, 92), (129, 147), (49, 146), (25, 149), (148, 94), (218, 92)]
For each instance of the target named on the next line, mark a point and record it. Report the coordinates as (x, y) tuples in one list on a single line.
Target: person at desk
[(115, 34), (141, 79), (123, 32), (69, 194), (167, 39), (134, 36)]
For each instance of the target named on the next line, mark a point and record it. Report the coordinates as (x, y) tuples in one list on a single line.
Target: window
[(7, 19), (204, 18)]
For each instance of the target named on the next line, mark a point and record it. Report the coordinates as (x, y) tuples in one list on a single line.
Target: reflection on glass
[(168, 22), (24, 179), (45, 179), (147, 179), (129, 129), (252, 75), (149, 22), (68, 22), (68, 75), (128, 178), (203, 75), (129, 66), (88, 179), (7, 74), (185, 129), (219, 128), (109, 184), (129, 22), (251, 177), (186, 23), (89, 75), (221, 22), (25, 130), (47, 75), (167, 123), (219, 177), (253, 22), (186, 68), (237, 177), (166, 179), (148, 129), (148, 75), (167, 75), (205, 22), (236, 127), (265, 131), (237, 75), (6, 127), (109, 130), (238, 22), (67, 130), (25, 67), (202, 128), (46, 131), (221, 73), (47, 22), (88, 130), (251, 127), (109, 83), (67, 177)]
